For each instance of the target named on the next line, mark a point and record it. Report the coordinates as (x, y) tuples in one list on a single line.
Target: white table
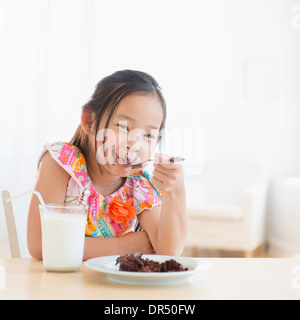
[(229, 278)]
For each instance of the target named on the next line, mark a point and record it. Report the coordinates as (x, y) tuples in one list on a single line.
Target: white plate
[(107, 265)]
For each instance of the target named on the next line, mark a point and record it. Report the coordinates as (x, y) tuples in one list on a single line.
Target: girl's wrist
[(179, 191)]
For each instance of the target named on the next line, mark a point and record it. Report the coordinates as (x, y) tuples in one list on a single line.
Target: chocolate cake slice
[(135, 263)]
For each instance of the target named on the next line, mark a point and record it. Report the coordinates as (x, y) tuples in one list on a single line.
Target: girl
[(121, 124)]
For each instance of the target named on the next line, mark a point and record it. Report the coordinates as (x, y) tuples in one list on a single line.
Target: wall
[(268, 128)]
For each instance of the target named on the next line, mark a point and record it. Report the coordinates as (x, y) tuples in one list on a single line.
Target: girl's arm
[(133, 242), (167, 225), (52, 183)]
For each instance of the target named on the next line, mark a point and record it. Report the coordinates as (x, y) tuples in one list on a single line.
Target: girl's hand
[(167, 176)]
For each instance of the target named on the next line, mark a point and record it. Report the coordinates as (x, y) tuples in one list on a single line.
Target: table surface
[(229, 278)]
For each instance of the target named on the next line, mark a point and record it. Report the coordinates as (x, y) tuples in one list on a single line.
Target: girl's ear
[(87, 119)]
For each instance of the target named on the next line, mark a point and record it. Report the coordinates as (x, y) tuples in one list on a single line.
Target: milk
[(63, 236)]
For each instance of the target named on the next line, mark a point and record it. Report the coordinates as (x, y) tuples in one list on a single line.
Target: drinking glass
[(63, 234)]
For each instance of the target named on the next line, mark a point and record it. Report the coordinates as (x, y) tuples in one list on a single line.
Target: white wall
[(227, 67), (266, 126)]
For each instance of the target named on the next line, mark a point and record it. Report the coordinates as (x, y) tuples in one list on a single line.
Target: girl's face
[(132, 134)]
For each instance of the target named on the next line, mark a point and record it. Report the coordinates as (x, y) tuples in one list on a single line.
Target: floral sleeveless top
[(108, 216)]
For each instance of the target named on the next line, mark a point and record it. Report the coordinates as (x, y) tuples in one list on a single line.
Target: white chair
[(16, 221), (226, 207)]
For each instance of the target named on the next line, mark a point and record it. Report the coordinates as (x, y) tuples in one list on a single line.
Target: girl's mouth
[(124, 161)]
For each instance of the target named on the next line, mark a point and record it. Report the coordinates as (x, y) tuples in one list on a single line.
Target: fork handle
[(175, 159)]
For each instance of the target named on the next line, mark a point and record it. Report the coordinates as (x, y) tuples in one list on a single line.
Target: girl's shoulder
[(64, 153), (65, 149), (70, 158)]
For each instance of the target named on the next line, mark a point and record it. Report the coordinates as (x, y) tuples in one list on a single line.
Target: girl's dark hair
[(109, 92)]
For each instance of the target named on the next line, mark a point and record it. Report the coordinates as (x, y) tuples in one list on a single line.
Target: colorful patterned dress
[(137, 192)]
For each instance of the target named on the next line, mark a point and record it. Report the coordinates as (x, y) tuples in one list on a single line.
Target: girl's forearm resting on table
[(133, 242)]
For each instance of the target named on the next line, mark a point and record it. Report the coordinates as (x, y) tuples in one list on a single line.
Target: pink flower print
[(81, 176), (139, 196), (66, 155), (144, 190), (144, 186)]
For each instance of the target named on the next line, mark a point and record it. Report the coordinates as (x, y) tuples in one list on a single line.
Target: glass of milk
[(63, 234)]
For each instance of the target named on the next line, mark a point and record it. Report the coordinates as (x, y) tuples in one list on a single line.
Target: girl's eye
[(122, 126), (148, 136)]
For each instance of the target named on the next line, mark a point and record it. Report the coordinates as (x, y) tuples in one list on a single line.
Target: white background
[(230, 68)]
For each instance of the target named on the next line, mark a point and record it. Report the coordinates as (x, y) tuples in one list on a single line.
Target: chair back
[(16, 212)]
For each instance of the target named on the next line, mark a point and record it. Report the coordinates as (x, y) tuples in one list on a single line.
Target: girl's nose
[(133, 148), (133, 144), (134, 139)]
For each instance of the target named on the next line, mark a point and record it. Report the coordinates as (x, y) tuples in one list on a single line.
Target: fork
[(140, 164)]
